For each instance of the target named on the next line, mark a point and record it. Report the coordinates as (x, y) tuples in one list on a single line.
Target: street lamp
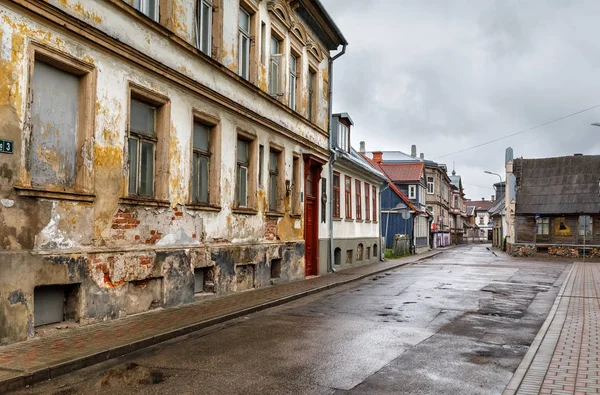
[(499, 176)]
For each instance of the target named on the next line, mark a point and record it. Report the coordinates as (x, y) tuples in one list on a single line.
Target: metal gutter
[(332, 156)]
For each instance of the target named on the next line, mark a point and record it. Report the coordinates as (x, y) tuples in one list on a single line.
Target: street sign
[(6, 147)]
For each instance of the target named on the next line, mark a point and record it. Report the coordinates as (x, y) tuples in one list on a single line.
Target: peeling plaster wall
[(132, 258)]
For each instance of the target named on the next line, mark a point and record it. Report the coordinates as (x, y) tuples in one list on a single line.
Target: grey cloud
[(446, 75)]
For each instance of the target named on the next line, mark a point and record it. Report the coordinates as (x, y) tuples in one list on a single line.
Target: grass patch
[(389, 254)]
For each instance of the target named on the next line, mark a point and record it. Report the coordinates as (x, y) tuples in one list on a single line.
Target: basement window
[(203, 280), (276, 268), (56, 303), (542, 250), (585, 252)]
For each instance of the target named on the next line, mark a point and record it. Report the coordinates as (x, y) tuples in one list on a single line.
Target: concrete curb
[(515, 382), (50, 372)]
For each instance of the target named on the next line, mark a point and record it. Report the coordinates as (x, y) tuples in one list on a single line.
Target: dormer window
[(343, 137)]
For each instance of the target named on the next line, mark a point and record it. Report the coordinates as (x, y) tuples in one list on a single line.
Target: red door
[(312, 176), (309, 236)]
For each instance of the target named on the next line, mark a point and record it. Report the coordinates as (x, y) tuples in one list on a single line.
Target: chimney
[(377, 156), (422, 156), (362, 147), (493, 198), (413, 151)]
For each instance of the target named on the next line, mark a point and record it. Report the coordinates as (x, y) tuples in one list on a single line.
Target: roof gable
[(562, 185)]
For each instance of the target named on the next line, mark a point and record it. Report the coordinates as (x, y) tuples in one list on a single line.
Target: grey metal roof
[(498, 207), (562, 185), (455, 180), (354, 157)]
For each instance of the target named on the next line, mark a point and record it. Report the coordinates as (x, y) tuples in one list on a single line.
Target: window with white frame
[(293, 81), (430, 186), (244, 44), (147, 7), (275, 66), (412, 191), (343, 137), (203, 25)]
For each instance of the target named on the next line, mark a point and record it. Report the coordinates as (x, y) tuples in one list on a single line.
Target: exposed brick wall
[(271, 229), (122, 221)]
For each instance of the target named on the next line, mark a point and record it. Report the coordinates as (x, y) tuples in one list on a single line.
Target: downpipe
[(332, 158)]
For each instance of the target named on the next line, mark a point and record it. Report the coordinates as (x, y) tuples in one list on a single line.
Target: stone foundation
[(114, 284), (520, 250)]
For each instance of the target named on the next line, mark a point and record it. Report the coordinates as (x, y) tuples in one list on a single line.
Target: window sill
[(359, 220), (337, 219), (203, 207), (349, 219), (296, 216), (139, 201), (274, 214), (25, 191), (244, 211)]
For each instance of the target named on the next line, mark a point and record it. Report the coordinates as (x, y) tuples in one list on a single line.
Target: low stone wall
[(520, 250)]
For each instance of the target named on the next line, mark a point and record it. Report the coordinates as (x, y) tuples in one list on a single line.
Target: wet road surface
[(459, 323)]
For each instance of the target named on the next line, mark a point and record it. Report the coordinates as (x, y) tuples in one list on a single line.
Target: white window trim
[(242, 33), (412, 192), (144, 3), (198, 24), (293, 83)]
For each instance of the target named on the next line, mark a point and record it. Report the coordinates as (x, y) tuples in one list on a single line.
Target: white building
[(355, 204)]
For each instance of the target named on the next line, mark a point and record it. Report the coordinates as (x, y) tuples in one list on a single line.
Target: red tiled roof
[(402, 196), (399, 172), (481, 205)]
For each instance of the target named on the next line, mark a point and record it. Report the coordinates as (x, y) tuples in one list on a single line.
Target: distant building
[(553, 205), (458, 212), (498, 216), (438, 202), (483, 221), (403, 199)]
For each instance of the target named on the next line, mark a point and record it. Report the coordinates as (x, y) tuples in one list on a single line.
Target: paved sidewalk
[(44, 358), (563, 358)]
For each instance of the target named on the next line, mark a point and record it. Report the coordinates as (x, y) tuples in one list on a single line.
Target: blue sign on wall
[(6, 147)]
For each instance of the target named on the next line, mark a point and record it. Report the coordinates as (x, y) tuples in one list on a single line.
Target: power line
[(520, 132)]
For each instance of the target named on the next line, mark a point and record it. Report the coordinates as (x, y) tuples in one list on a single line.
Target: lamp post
[(496, 174)]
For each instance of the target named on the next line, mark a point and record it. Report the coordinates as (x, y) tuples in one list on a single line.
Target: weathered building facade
[(160, 149), (553, 206)]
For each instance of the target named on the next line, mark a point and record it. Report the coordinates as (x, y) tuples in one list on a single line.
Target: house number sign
[(6, 147)]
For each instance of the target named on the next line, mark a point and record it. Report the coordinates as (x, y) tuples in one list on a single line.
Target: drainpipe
[(332, 158)]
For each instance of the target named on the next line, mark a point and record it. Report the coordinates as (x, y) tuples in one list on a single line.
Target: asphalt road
[(459, 323)]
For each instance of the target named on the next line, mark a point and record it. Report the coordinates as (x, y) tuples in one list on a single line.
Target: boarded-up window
[(54, 119)]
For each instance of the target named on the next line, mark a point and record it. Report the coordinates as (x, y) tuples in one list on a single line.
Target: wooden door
[(312, 176)]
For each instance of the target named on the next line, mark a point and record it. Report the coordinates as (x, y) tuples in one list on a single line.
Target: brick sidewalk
[(564, 357), (44, 358)]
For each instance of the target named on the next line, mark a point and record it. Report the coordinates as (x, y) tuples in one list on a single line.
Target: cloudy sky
[(451, 74)]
